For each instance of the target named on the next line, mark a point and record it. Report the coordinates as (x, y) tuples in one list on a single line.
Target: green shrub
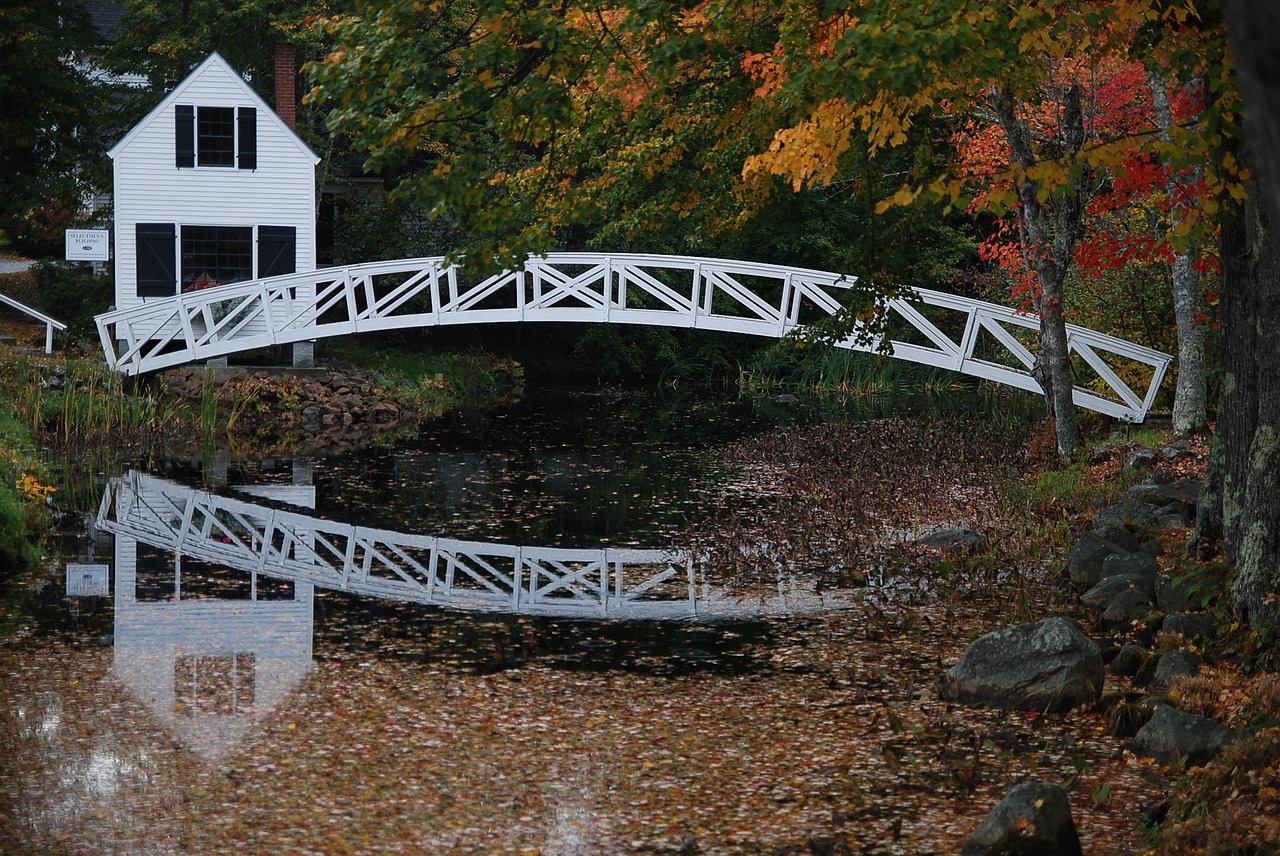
[(72, 294), (21, 512)]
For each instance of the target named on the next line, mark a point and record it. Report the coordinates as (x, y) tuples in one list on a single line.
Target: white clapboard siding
[(150, 188)]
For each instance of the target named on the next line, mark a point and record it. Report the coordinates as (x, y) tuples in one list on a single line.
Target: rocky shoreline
[(324, 409), (1148, 628)]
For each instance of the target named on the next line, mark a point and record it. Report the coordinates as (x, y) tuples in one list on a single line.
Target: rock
[(1044, 665), (1174, 664), (1125, 608), (1101, 454), (1084, 564), (1127, 511), (951, 539), (1190, 625), (1170, 597), (1177, 451), (1154, 547), (1032, 818), (1109, 588), (1174, 732), (1184, 491), (1141, 459), (1130, 564), (1175, 515), (1118, 534), (1130, 659)]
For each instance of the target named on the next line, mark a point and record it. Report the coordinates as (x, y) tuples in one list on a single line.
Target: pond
[(492, 639)]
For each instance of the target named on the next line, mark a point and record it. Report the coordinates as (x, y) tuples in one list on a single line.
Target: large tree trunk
[(1190, 402), (1256, 537), (1251, 489), (1050, 249)]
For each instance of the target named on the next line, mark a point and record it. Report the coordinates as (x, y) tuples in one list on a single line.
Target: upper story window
[(216, 136)]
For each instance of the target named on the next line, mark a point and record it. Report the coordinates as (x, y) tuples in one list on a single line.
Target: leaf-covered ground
[(829, 736), (839, 737)]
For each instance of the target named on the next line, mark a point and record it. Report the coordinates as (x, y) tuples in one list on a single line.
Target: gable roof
[(214, 62)]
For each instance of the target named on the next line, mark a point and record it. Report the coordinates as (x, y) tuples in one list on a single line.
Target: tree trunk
[(1050, 249), (1252, 493), (1238, 405), (1190, 402), (1251, 487), (1257, 549), (1207, 537)]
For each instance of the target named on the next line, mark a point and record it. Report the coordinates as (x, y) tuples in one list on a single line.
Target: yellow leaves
[(33, 489), (905, 196), (807, 154)]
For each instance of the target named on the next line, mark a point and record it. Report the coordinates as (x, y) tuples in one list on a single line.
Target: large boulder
[(1084, 564), (1128, 606), (1118, 534), (1188, 735), (1127, 512), (1033, 818), (1107, 590), (1191, 625), (1171, 595), (1140, 562), (1173, 665), (1044, 665)]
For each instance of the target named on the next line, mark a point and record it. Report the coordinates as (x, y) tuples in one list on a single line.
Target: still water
[(483, 641)]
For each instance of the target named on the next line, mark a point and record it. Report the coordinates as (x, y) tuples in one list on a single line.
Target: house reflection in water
[(210, 651)]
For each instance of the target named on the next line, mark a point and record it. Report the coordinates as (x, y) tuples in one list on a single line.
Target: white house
[(212, 186)]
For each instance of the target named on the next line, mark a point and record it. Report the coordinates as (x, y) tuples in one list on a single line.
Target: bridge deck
[(973, 337)]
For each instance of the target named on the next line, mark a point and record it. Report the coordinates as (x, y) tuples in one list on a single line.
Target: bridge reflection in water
[(214, 617), (470, 575)]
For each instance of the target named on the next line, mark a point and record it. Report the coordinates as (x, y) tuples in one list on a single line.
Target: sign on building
[(88, 580), (88, 245)]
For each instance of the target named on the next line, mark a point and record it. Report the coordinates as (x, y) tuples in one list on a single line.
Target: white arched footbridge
[(973, 337)]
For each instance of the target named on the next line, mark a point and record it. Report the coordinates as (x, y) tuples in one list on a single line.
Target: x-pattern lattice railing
[(585, 583), (996, 343)]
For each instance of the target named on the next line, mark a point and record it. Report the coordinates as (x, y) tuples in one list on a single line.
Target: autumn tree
[(163, 41), (1132, 210), (709, 110), (48, 139)]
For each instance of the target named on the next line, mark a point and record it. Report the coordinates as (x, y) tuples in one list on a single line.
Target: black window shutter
[(277, 250), (157, 262), (185, 136), (247, 128)]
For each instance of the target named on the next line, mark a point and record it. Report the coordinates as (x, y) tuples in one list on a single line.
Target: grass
[(431, 384), (77, 402), (840, 372)]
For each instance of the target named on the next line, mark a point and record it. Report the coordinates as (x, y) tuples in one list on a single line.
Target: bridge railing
[(974, 337), (50, 324)]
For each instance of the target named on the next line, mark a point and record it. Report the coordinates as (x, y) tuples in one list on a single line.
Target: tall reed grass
[(79, 402), (840, 372)]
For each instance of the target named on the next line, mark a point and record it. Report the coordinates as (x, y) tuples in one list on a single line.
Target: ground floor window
[(219, 254)]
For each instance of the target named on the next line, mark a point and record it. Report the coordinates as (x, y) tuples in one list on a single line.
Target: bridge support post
[(304, 354)]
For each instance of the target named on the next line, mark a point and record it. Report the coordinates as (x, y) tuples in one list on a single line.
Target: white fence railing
[(49, 323), (973, 337)]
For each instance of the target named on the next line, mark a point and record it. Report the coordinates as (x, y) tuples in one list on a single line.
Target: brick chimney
[(286, 84)]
